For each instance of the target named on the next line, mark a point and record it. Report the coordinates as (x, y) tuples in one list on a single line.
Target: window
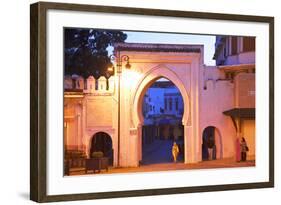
[(166, 104), (170, 104), (233, 45), (249, 44)]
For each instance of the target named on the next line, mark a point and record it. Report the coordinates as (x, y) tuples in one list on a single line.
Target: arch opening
[(162, 109), (160, 71), (102, 142), (211, 144)]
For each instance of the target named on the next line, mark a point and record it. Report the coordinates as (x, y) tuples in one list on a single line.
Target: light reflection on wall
[(130, 77)]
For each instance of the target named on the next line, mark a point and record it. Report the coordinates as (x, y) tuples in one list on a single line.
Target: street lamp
[(119, 60)]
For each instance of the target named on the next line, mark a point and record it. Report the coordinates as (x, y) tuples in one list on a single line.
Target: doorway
[(211, 144), (101, 142), (162, 111)]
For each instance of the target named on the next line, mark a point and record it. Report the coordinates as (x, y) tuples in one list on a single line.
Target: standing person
[(214, 151), (210, 145), (238, 150), (175, 151), (244, 149)]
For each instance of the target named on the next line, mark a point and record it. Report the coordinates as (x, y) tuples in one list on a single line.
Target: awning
[(237, 67), (241, 112)]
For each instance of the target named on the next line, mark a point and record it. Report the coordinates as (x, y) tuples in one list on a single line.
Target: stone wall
[(90, 84)]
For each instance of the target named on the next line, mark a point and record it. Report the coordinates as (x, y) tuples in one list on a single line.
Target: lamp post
[(119, 60)]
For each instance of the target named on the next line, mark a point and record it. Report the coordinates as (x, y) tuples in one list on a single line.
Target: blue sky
[(148, 37)]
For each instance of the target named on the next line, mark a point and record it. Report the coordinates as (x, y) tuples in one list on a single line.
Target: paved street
[(157, 157), (160, 151), (224, 163)]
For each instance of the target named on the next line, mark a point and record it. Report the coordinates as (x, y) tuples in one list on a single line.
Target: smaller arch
[(102, 142), (211, 142)]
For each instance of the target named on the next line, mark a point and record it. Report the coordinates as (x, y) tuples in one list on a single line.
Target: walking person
[(175, 151), (244, 149)]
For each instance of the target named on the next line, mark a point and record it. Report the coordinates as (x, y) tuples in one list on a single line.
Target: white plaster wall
[(100, 115), (218, 97), (73, 125), (149, 67), (71, 130)]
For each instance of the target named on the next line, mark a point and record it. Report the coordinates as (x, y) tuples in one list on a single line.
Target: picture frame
[(39, 107)]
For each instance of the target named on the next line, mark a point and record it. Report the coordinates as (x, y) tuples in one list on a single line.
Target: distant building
[(163, 111), (235, 57), (234, 50), (162, 98)]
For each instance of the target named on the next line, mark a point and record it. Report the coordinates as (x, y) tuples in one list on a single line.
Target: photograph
[(141, 101)]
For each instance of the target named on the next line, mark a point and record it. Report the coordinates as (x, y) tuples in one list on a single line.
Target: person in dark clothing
[(244, 149), (210, 144)]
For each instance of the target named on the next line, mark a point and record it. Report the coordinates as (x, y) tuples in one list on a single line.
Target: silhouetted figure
[(238, 150), (244, 149), (214, 152), (210, 145)]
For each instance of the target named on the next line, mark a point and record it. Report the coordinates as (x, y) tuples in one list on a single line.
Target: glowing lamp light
[(110, 68), (128, 65), (131, 77)]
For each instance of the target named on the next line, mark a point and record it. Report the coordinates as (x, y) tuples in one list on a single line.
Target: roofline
[(156, 47)]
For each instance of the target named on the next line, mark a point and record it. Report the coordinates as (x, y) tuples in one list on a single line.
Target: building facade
[(212, 96), (162, 111), (235, 57)]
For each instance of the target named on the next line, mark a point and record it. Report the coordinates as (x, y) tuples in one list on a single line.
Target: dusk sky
[(147, 37)]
